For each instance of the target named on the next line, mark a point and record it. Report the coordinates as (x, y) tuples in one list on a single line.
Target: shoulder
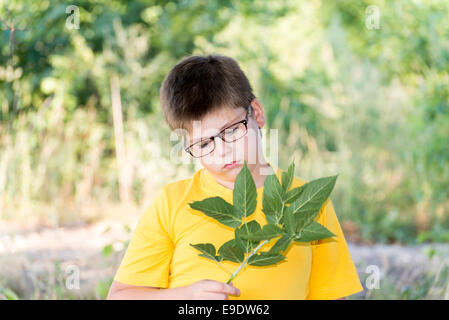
[(166, 201), (173, 193), (177, 187)]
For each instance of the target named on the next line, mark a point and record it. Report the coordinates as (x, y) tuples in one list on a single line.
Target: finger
[(224, 288), (232, 290), (216, 296)]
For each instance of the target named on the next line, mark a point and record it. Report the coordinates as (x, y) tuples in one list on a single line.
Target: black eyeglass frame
[(220, 134)]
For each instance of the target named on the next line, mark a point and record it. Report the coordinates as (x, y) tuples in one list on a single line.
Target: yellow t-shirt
[(159, 254)]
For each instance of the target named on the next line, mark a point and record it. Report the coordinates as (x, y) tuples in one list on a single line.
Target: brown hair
[(199, 85)]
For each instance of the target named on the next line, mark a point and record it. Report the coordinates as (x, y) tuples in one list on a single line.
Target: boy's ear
[(258, 113)]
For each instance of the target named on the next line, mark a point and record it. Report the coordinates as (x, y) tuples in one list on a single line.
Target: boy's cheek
[(248, 150), (212, 163)]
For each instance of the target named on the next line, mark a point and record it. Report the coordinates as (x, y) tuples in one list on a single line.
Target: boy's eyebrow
[(224, 126)]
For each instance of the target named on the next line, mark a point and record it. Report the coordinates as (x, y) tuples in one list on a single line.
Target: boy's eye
[(204, 144), (231, 130)]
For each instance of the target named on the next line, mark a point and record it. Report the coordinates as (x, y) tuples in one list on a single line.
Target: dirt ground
[(41, 263)]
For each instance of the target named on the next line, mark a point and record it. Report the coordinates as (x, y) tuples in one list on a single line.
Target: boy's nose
[(221, 147)]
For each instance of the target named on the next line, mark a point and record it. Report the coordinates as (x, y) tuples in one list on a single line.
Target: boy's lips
[(231, 164)]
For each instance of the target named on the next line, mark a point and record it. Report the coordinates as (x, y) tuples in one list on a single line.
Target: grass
[(51, 285), (409, 283), (49, 274)]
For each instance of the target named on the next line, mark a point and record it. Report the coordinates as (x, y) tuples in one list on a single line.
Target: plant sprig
[(289, 214)]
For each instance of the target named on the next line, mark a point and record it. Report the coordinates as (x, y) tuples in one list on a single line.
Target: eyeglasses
[(228, 134)]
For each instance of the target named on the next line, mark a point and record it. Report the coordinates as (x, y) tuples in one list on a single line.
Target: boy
[(160, 263)]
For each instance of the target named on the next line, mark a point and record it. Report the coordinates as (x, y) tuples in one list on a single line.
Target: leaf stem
[(224, 268), (247, 232), (282, 213), (246, 260)]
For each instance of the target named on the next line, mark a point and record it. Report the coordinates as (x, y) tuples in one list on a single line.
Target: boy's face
[(248, 148)]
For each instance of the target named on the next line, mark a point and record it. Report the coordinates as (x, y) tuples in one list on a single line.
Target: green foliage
[(231, 251), (268, 231), (107, 250), (220, 210), (265, 259), (289, 223), (8, 294), (436, 234), (242, 236), (313, 231), (102, 287), (245, 195), (208, 251), (371, 102)]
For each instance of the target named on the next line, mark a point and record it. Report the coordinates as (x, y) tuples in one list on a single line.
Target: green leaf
[(273, 188), (267, 232), (287, 177), (289, 221), (244, 230), (231, 251), (207, 250), (271, 208), (293, 194), (313, 231), (272, 198), (281, 244), (245, 193), (265, 259), (309, 203), (219, 209)]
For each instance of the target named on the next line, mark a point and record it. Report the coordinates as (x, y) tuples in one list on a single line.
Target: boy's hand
[(211, 290)]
